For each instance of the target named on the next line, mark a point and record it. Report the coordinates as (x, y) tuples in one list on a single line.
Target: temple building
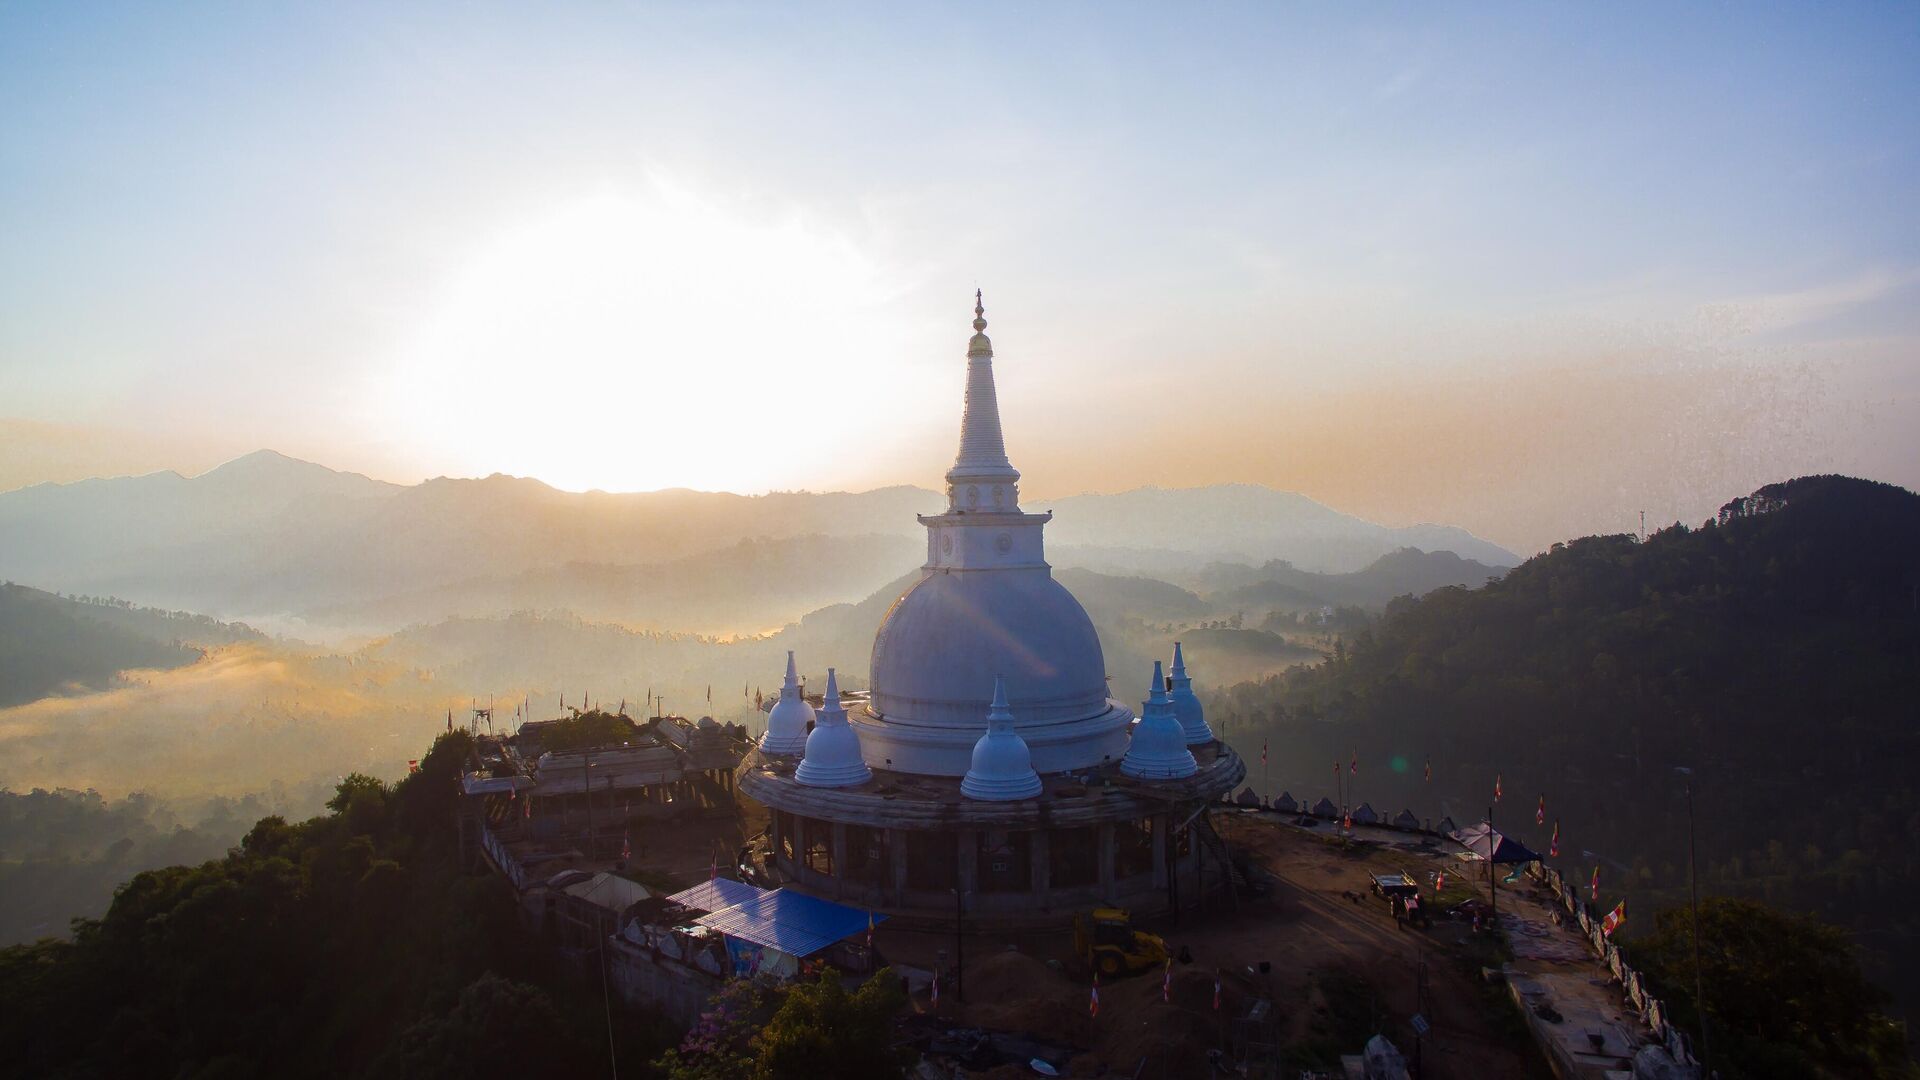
[(989, 764)]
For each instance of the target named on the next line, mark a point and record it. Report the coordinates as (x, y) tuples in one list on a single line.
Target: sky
[(1528, 270)]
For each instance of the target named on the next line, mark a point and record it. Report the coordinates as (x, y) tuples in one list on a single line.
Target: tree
[(1785, 996), (821, 1030)]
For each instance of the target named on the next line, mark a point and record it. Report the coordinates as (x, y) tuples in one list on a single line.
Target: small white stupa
[(1159, 750), (1002, 765), (833, 750), (787, 723), (1186, 705)]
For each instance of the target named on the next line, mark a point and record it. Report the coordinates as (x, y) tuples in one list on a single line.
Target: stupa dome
[(789, 719), (948, 636), (1002, 766), (1186, 704), (1159, 750), (987, 606), (833, 750)]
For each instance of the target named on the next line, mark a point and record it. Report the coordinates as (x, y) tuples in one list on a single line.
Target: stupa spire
[(1159, 749), (1002, 765), (832, 757), (982, 479)]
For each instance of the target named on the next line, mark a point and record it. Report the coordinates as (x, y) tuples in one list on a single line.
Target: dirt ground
[(1339, 969)]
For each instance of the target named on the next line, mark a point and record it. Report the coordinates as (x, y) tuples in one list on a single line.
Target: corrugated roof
[(717, 895), (796, 924)]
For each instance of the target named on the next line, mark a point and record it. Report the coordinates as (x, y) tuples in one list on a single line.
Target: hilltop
[(1771, 657)]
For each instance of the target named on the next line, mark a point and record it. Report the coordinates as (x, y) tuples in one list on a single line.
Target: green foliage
[(1784, 993), (808, 1030), (595, 728), (821, 1030), (321, 948)]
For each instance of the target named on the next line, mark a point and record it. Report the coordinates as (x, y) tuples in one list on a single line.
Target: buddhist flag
[(1594, 889), (1429, 770), (626, 847), (1553, 845), (1496, 787), (1216, 989), (1093, 1003), (1346, 820), (1613, 920), (1353, 767), (1439, 882), (1166, 983), (1540, 812)]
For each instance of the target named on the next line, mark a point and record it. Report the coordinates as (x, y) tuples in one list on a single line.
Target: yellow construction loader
[(1106, 939)]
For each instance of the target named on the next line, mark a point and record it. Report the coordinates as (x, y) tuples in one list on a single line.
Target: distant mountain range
[(266, 535)]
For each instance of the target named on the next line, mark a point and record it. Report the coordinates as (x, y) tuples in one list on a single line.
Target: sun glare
[(637, 341)]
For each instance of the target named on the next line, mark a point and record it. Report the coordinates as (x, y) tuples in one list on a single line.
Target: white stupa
[(1186, 705), (791, 716), (987, 604), (1002, 766), (833, 750), (1159, 750)]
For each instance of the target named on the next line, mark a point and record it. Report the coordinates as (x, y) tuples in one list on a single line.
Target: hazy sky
[(1527, 270)]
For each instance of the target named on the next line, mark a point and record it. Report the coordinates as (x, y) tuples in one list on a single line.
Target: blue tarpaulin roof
[(796, 924), (717, 895)]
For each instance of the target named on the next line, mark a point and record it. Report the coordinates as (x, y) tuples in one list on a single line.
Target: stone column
[(1106, 859), (966, 866), (1039, 865), (837, 848), (897, 855), (1161, 846)]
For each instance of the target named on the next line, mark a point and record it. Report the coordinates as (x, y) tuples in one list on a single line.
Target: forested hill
[(48, 641), (1775, 652)]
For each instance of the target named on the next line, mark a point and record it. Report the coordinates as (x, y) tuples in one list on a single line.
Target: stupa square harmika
[(988, 759)]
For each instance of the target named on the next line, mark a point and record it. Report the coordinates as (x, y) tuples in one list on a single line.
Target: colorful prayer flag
[(1613, 920), (626, 847), (1166, 983), (1496, 787), (1353, 768), (1553, 846), (1594, 889), (1540, 812), (1429, 770), (1093, 1003)]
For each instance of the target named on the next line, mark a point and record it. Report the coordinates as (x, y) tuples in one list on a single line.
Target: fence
[(503, 859), (1653, 1011)]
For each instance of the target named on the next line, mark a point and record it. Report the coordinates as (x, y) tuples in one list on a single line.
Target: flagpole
[(1493, 883), (1699, 993)]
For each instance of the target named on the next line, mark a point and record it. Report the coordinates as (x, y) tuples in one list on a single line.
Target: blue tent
[(791, 922)]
